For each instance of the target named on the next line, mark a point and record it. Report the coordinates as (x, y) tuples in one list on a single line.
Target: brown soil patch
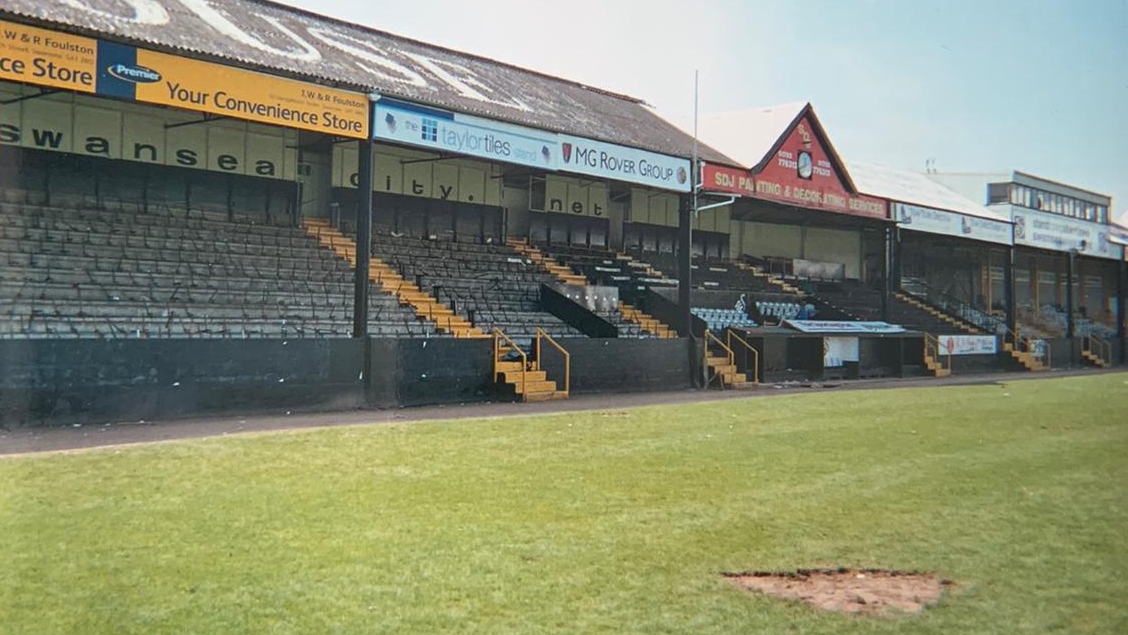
[(869, 591)]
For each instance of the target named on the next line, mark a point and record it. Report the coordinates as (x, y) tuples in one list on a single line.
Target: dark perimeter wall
[(92, 381)]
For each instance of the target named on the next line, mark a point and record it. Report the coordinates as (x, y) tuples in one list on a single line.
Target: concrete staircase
[(1025, 358), (562, 273), (1097, 351), (935, 367), (640, 267), (721, 364), (536, 386), (513, 368), (647, 323), (773, 279), (425, 306), (1093, 359), (962, 325)]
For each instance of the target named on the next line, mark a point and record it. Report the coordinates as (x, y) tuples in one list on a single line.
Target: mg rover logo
[(135, 74), (681, 175), (566, 148)]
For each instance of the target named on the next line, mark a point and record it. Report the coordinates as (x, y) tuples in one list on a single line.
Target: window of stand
[(1031, 198)]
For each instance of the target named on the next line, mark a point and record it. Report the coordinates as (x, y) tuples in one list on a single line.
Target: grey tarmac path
[(68, 438)]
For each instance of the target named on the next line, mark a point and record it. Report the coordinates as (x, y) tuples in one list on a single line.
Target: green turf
[(604, 522)]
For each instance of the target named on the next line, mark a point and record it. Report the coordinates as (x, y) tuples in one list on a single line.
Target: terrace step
[(425, 306)]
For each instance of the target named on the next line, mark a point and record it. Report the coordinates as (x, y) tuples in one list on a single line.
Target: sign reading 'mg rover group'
[(59, 60)]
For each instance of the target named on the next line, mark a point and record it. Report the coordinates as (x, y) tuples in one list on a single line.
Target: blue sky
[(1033, 85)]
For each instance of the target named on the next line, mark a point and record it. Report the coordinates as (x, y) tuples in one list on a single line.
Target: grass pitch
[(604, 522)]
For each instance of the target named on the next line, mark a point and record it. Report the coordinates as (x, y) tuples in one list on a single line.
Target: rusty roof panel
[(275, 37)]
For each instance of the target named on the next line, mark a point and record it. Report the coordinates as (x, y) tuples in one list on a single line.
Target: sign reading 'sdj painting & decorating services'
[(463, 134), (47, 58), (716, 178)]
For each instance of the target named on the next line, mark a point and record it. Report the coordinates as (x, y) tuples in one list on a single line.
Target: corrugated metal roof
[(915, 188), (275, 37)]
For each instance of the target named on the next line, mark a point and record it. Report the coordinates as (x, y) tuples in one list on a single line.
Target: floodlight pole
[(363, 228)]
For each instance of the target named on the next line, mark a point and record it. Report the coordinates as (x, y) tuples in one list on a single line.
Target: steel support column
[(1008, 286), (886, 271), (1121, 279), (363, 236), (685, 258), (1070, 265)]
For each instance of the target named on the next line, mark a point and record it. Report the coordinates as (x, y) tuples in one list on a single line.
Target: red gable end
[(803, 172)]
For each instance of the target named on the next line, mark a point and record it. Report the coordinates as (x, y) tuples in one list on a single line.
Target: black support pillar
[(896, 256), (887, 270), (1070, 265), (685, 259), (1121, 280), (363, 237), (1008, 285)]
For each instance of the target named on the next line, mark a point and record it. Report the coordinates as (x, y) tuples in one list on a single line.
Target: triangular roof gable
[(819, 146)]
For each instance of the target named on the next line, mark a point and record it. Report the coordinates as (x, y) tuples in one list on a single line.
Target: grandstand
[(214, 243)]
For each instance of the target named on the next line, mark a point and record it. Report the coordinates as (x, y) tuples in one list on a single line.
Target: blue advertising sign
[(463, 134), (836, 326)]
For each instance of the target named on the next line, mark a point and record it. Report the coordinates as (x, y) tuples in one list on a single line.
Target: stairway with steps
[(775, 280), (513, 369), (721, 365), (1027, 359), (647, 323), (562, 273), (1094, 359), (425, 306), (915, 302), (935, 367), (642, 268), (536, 385)]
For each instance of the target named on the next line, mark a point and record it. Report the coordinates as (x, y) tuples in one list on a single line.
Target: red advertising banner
[(715, 178), (802, 174)]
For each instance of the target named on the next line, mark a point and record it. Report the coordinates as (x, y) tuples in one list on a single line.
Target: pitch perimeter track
[(66, 438)]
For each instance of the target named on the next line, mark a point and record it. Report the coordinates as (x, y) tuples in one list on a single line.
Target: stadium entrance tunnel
[(856, 591)]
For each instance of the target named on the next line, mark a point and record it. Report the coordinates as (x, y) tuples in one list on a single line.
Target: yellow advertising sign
[(47, 58), (233, 92)]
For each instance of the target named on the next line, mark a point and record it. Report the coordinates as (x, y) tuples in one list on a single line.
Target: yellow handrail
[(1026, 344), (729, 336), (498, 336), (705, 356), (1100, 347), (935, 342), (566, 354)]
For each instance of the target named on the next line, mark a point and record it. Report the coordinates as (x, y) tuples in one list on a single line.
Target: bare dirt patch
[(869, 591)]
